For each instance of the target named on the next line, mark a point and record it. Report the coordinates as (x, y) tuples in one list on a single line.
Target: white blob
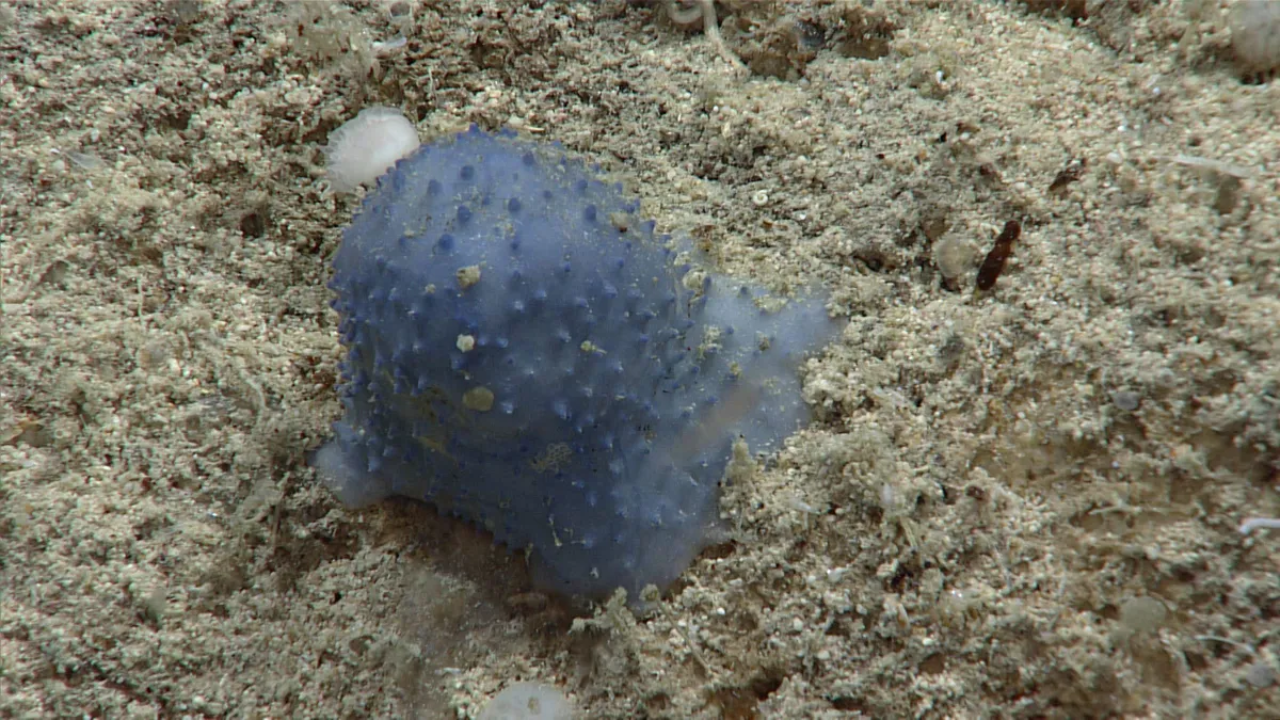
[(528, 701), (353, 486), (368, 145)]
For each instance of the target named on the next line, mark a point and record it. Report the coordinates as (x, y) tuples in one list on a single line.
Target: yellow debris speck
[(468, 276), (478, 398)]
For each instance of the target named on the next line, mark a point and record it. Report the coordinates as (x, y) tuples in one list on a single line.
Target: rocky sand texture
[(1015, 502)]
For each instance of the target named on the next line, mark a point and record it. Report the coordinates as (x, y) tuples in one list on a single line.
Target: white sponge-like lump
[(353, 486), (528, 701), (366, 146)]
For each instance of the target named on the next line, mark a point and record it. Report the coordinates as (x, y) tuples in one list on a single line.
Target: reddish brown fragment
[(1074, 9), (1071, 173), (993, 265)]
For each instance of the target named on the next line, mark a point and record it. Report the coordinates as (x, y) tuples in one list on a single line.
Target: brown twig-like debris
[(993, 265)]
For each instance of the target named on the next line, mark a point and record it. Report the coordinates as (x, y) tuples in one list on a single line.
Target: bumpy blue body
[(527, 355)]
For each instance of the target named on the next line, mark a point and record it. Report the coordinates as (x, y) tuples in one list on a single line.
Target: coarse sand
[(1020, 502)]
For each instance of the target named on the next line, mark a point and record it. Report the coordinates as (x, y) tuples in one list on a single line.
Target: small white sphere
[(368, 145)]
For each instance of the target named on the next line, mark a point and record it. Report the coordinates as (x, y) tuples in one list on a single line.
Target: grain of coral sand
[(998, 492)]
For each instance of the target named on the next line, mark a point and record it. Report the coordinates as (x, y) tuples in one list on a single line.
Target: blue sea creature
[(525, 353)]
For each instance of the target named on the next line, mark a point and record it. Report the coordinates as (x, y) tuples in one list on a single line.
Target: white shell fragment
[(366, 146)]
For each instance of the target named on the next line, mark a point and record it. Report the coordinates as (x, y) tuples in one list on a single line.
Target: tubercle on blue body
[(523, 353)]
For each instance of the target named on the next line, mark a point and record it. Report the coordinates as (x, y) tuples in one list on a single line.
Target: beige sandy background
[(1018, 503)]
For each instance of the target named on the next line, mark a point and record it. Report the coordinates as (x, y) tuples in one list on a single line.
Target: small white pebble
[(1251, 524), (368, 145), (1260, 674), (1143, 614), (1126, 400), (466, 342), (385, 48)]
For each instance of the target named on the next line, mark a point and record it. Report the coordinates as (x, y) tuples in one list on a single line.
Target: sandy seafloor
[(1017, 503)]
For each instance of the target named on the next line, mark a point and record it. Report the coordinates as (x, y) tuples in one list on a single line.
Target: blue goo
[(526, 354)]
